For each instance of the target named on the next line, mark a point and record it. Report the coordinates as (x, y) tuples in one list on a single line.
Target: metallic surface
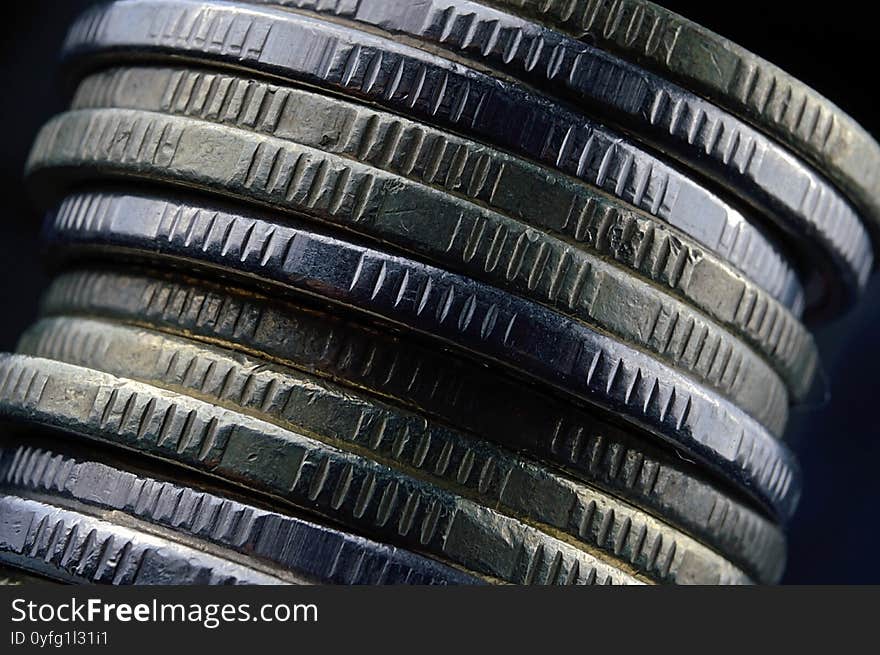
[(563, 206), (452, 391), (426, 87), (423, 291), (295, 468), (316, 554), (450, 309), (454, 235), (401, 439), (72, 546), (704, 137), (728, 75)]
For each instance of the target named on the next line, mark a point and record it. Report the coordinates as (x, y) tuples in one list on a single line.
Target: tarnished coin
[(704, 137), (450, 309), (455, 392), (315, 553), (535, 195), (432, 89), (728, 75), (490, 475), (72, 546), (454, 235), (352, 490)]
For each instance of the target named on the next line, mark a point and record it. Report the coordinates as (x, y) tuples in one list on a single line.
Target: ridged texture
[(677, 122), (537, 196), (76, 547), (352, 490), (728, 75), (321, 554), (454, 391), (454, 235), (429, 88), (511, 186), (489, 475), (461, 312)]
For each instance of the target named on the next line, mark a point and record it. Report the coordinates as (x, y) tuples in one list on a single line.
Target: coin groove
[(285, 541), (535, 342), (704, 137), (293, 467), (417, 219), (454, 391), (397, 438), (74, 547), (423, 86), (488, 177), (730, 76)]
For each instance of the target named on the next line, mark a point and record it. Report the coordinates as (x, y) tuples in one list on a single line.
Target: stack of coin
[(435, 292)]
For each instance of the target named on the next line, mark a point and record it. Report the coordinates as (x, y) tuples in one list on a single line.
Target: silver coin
[(728, 75), (346, 487), (73, 546), (535, 195), (314, 553), (401, 439), (677, 122), (451, 309), (439, 385), (453, 235), (430, 88)]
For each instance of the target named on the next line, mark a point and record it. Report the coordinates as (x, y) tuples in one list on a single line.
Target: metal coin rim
[(738, 80), (590, 220), (456, 392), (227, 523), (460, 463), (450, 234), (351, 490), (73, 553), (427, 87), (702, 136), (475, 318)]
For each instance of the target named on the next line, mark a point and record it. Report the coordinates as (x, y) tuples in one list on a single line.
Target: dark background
[(834, 51)]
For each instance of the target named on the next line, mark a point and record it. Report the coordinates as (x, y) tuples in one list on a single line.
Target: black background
[(835, 51)]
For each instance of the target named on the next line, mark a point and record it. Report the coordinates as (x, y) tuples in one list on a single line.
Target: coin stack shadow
[(442, 292)]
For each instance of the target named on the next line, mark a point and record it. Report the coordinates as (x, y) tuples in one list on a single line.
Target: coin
[(467, 465), (460, 312), (429, 88), (315, 553), (456, 236), (455, 392), (504, 183), (460, 291), (345, 487), (72, 546), (730, 76), (703, 137)]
